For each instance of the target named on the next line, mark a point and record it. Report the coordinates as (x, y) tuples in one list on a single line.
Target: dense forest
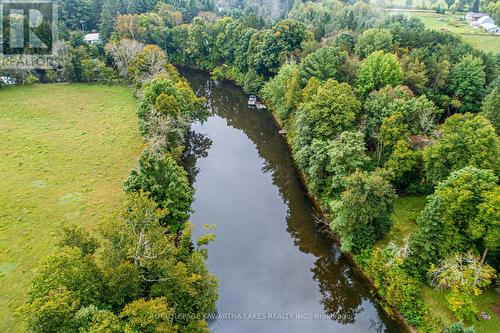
[(375, 106)]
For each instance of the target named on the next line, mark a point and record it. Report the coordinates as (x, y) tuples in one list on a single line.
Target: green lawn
[(65, 152), (453, 24), (404, 218), (488, 302), (407, 209)]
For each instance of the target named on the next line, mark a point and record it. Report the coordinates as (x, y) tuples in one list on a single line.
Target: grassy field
[(406, 211), (453, 24), (404, 219), (65, 152), (415, 4)]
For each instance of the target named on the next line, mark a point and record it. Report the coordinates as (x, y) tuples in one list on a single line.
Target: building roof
[(489, 26), (471, 14), (419, 141), (485, 19), (93, 37)]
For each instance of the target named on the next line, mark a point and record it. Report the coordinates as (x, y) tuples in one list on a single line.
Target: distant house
[(484, 20), (7, 80), (210, 17), (92, 38), (486, 23), (473, 17), (419, 141), (491, 28)]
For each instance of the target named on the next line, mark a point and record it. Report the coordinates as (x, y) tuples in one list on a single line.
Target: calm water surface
[(269, 256)]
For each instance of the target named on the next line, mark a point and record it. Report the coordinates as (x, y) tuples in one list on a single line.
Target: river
[(277, 271)]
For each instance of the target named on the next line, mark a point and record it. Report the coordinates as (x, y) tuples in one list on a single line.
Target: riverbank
[(155, 202), (263, 124), (391, 310), (404, 217)]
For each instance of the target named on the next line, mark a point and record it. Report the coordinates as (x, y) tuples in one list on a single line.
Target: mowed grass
[(453, 24), (404, 217), (486, 43), (65, 151), (406, 211), (488, 302)]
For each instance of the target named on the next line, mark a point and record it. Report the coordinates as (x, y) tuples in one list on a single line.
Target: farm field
[(65, 152), (453, 23)]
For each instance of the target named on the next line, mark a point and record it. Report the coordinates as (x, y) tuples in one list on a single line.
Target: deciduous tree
[(167, 183), (281, 93), (333, 109), (465, 277), (147, 63), (122, 53), (377, 71), (451, 221), (71, 269), (362, 214), (52, 312), (467, 80), (148, 316), (465, 139), (372, 40), (491, 108)]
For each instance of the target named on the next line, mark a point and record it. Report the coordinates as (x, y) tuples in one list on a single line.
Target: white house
[(473, 17), (92, 38), (484, 20), (491, 28), (7, 80)]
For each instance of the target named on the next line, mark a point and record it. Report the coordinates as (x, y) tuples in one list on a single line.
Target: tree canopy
[(131, 284), (453, 220), (467, 80), (167, 183), (362, 214), (377, 71), (372, 40), (465, 139), (323, 64)]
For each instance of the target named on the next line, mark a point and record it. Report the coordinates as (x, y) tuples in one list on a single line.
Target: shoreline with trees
[(141, 270)]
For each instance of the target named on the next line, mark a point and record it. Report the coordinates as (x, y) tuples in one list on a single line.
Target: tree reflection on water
[(344, 294)]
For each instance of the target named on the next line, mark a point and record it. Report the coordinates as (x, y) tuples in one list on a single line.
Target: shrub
[(31, 79), (395, 285)]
